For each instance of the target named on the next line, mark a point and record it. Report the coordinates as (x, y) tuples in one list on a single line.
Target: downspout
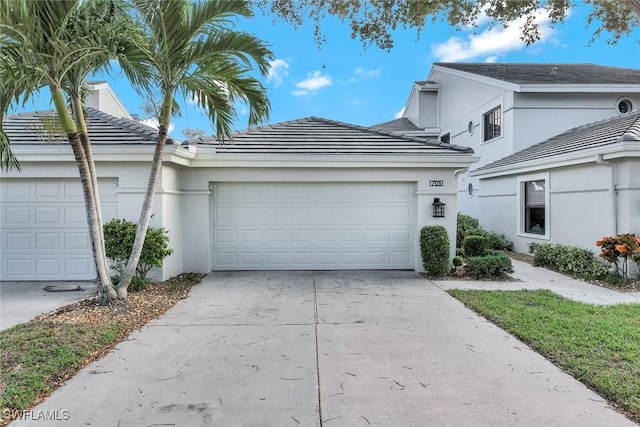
[(612, 192)]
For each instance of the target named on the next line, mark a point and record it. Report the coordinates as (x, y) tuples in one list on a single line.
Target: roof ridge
[(132, 125), (401, 136), (633, 132)]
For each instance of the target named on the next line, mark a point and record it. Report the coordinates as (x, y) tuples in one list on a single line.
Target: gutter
[(612, 191)]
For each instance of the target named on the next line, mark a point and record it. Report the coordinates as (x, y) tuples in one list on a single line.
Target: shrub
[(624, 246), (434, 246), (571, 260), (457, 261), (475, 246), (489, 265), (468, 226), (119, 236), (464, 224), (499, 242)]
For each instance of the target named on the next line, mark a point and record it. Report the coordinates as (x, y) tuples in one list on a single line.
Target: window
[(492, 122), (535, 206), (446, 138)]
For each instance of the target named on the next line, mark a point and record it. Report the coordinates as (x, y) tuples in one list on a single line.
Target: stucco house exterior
[(305, 194), (558, 146)]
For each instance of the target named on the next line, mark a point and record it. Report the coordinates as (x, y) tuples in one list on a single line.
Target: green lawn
[(37, 357), (598, 345)]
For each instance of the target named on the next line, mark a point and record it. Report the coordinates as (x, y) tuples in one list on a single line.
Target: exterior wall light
[(438, 208)]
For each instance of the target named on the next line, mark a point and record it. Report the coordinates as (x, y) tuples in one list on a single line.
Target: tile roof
[(41, 127), (402, 124), (315, 135), (625, 127), (551, 73)]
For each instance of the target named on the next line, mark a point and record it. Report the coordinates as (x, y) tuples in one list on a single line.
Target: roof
[(398, 125), (42, 127), (625, 127), (315, 135), (550, 73)]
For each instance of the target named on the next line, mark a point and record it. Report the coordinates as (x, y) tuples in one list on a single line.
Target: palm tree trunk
[(106, 291), (83, 132), (147, 205)]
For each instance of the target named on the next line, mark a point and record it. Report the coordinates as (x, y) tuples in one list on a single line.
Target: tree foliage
[(194, 49), (373, 21)]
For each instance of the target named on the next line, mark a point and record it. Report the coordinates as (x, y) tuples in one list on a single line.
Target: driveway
[(345, 348), (22, 301)]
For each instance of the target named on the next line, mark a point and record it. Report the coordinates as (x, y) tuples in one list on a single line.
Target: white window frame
[(520, 200)]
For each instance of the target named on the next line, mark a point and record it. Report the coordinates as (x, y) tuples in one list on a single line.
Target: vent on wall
[(624, 106)]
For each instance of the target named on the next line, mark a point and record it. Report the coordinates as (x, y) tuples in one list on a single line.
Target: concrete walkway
[(540, 278), (346, 348)]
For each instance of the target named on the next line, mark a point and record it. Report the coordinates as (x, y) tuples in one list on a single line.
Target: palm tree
[(56, 44), (194, 51)]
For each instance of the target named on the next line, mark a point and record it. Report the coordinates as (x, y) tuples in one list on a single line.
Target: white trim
[(521, 180), (610, 152)]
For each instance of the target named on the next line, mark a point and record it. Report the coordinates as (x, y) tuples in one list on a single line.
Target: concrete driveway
[(354, 348), (22, 301)]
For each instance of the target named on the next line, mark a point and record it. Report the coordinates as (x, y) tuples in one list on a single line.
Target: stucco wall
[(579, 207)]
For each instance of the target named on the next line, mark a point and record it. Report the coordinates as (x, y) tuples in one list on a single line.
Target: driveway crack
[(315, 324)]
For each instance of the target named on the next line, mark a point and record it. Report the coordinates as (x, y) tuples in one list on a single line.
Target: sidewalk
[(531, 278)]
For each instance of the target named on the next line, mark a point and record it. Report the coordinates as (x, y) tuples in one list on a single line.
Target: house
[(558, 146), (305, 194)]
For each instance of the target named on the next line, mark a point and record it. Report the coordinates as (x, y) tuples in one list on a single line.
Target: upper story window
[(492, 123)]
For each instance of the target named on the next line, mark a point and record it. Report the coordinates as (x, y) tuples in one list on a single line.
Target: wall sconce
[(438, 208)]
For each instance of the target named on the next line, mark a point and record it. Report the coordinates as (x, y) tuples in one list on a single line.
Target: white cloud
[(314, 81), (366, 74), (152, 122), (277, 71), (399, 114), (491, 43), (362, 74)]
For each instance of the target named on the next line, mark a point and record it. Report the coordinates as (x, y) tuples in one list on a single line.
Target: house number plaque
[(436, 183)]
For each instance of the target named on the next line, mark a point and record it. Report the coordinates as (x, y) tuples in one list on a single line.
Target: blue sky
[(341, 80)]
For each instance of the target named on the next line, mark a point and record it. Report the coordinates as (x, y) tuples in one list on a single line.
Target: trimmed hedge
[(493, 264), (434, 246), (571, 260), (475, 246)]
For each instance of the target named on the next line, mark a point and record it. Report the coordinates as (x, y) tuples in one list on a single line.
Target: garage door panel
[(306, 226), (19, 267), (77, 268), (16, 215), (18, 241), (48, 241), (76, 241)]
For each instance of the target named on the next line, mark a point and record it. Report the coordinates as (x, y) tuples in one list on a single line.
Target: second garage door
[(43, 229), (313, 226)]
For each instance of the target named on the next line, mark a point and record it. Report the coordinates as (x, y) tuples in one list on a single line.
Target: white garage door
[(43, 229), (313, 226)]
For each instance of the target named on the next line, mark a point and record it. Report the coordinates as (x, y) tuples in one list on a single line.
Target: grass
[(37, 357), (598, 345)]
